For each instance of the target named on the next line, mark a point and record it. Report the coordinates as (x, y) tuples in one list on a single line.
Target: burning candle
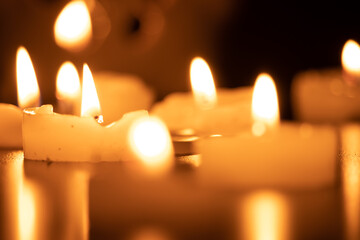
[(332, 95), (68, 92), (28, 96), (56, 137), (270, 154), (205, 111)]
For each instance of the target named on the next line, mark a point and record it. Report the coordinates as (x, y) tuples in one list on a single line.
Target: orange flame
[(202, 84), (350, 57), (90, 105), (67, 82), (265, 107), (73, 28), (27, 86)]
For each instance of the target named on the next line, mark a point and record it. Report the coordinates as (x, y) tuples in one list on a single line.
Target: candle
[(28, 95), (205, 111), (271, 154), (57, 137), (332, 95)]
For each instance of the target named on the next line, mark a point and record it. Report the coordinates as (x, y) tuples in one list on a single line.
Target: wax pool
[(232, 112), (325, 96), (291, 156), (10, 126), (57, 137)]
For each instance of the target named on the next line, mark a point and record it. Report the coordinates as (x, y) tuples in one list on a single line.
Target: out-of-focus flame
[(27, 86), (27, 211), (151, 142), (350, 57), (265, 215), (265, 107), (90, 105), (202, 84), (67, 82), (73, 28)]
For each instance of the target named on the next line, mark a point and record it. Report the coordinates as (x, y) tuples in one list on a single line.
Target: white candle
[(206, 111), (290, 155), (28, 96), (332, 95), (57, 137)]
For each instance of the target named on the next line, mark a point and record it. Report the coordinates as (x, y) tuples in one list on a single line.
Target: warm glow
[(67, 82), (27, 86), (202, 84), (150, 140), (26, 211), (90, 106), (350, 137), (73, 30), (265, 216), (265, 108), (350, 57)]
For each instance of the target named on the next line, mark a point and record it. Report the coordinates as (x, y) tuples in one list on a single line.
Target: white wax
[(10, 126), (291, 156), (233, 112), (56, 137), (324, 96), (119, 94)]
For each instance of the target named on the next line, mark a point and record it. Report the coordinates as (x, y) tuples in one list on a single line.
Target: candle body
[(119, 94), (292, 156), (10, 126), (56, 137), (324, 96), (233, 112)]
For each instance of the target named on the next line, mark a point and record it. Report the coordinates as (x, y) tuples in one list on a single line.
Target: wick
[(99, 119)]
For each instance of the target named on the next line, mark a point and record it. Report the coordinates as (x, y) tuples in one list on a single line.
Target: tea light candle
[(205, 111), (332, 95), (28, 95), (58, 137), (270, 154)]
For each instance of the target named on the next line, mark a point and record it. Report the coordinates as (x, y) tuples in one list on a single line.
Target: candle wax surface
[(324, 96), (10, 126), (232, 113), (291, 156), (56, 137)]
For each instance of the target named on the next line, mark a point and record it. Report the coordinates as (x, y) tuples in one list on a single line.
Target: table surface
[(49, 200)]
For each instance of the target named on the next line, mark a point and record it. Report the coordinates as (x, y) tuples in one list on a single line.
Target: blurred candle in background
[(332, 95)]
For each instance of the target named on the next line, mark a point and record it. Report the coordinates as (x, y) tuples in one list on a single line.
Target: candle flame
[(202, 84), (67, 82), (350, 57), (90, 105), (265, 109), (150, 140), (73, 28), (266, 216), (27, 86)]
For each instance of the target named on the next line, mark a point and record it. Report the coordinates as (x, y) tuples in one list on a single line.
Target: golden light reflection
[(265, 216), (90, 105), (351, 179), (202, 84), (27, 211), (73, 28), (350, 57), (67, 82), (27, 86), (265, 107), (150, 140)]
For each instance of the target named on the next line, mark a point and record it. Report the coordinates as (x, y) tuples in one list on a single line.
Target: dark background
[(239, 39)]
